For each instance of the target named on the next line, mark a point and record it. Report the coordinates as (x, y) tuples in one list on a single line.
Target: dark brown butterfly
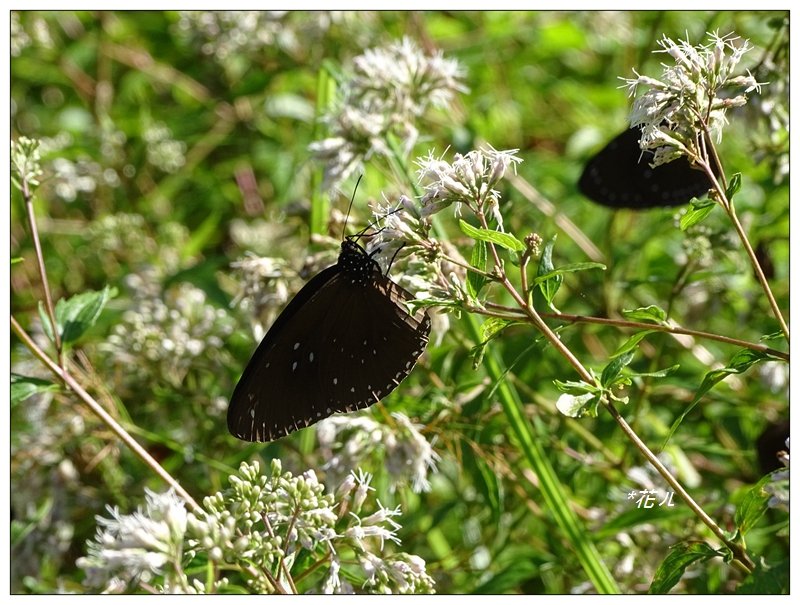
[(345, 341)]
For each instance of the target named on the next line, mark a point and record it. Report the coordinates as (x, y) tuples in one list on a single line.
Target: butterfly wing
[(620, 176), (260, 369), (343, 347), (390, 341)]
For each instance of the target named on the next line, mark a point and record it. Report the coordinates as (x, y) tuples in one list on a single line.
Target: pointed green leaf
[(23, 387), (674, 565), (78, 313), (697, 211), (476, 281), (656, 373), (766, 579), (631, 343), (506, 240), (740, 362), (754, 505), (571, 268), (612, 370), (734, 185), (47, 326), (652, 313), (550, 285)]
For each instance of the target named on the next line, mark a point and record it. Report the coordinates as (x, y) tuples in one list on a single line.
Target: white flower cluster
[(258, 527), (263, 288), (351, 441), (134, 548), (469, 179), (390, 88), (170, 333), (692, 96), (26, 161)]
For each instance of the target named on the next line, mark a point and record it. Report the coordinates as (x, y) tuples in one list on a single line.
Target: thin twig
[(48, 298)]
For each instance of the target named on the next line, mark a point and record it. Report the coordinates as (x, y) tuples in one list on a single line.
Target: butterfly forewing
[(620, 176), (347, 344)]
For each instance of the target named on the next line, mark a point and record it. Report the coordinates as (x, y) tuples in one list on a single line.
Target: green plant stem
[(740, 556), (762, 279), (67, 379), (730, 210), (48, 298), (671, 329)]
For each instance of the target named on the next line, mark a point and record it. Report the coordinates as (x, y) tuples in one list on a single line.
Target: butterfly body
[(344, 342), (620, 176)]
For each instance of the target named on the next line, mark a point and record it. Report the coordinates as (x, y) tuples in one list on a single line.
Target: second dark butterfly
[(620, 176)]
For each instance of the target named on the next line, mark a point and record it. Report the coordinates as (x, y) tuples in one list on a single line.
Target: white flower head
[(139, 545), (692, 95), (469, 179), (390, 88)]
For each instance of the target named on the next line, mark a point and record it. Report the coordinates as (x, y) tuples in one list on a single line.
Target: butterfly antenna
[(350, 207), (394, 256)]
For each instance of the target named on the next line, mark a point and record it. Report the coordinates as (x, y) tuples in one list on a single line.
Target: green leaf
[(575, 406), (779, 335), (476, 281), (657, 373), (47, 325), (698, 211), (78, 313), (734, 186), (753, 505), (766, 579), (631, 343), (571, 268), (740, 362), (613, 369), (652, 313), (494, 325), (489, 329), (550, 283), (23, 387), (679, 558), (506, 240), (576, 387), (17, 260)]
